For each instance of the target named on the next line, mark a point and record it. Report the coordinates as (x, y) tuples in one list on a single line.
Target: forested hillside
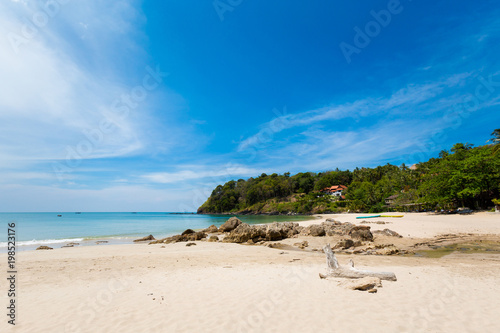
[(463, 176)]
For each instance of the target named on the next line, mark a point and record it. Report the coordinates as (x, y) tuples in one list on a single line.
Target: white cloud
[(20, 198), (400, 102), (53, 85), (219, 174), (385, 128)]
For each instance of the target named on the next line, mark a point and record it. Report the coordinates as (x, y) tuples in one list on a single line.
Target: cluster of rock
[(188, 235), (245, 233), (235, 231)]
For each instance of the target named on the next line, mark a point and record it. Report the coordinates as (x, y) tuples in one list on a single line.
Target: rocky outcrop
[(181, 238), (279, 231), (271, 232), (147, 238), (44, 247), (236, 231), (361, 232), (230, 224), (333, 228), (243, 232), (316, 230)]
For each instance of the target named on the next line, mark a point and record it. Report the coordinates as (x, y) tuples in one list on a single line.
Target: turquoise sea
[(35, 229)]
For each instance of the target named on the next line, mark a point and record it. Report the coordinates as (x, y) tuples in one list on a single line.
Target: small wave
[(109, 237), (43, 241)]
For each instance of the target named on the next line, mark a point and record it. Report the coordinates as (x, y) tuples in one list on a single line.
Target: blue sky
[(148, 105)]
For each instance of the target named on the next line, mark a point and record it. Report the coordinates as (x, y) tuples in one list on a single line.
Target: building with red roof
[(335, 190)]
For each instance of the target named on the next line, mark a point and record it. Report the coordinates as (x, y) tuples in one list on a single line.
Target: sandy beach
[(224, 287)]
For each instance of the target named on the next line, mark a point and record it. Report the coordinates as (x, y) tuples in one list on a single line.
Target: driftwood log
[(335, 270)]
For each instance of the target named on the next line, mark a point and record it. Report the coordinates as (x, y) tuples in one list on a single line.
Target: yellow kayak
[(391, 215)]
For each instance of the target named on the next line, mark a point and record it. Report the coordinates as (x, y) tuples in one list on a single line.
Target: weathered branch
[(348, 271)]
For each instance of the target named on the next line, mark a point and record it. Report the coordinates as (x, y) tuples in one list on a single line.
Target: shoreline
[(412, 226), (227, 287), (31, 245)]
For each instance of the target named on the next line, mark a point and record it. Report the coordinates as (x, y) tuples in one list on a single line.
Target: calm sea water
[(35, 229)]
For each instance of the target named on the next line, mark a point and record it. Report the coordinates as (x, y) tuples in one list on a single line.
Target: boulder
[(190, 244), (275, 231), (367, 283), (278, 231), (336, 228), (195, 236), (181, 238), (211, 230), (187, 232), (316, 230), (243, 232), (361, 232), (230, 224), (344, 244), (147, 238), (298, 229), (257, 233), (44, 247), (387, 251), (213, 239), (387, 232)]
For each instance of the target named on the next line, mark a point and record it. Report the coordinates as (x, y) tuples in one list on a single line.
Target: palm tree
[(495, 140)]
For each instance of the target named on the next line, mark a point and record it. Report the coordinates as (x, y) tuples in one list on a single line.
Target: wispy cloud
[(111, 198), (386, 128), (53, 89), (223, 172)]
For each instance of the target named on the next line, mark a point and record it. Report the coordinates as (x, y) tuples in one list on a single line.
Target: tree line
[(464, 176)]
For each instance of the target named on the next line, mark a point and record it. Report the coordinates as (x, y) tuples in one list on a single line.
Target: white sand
[(218, 287), (421, 225)]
